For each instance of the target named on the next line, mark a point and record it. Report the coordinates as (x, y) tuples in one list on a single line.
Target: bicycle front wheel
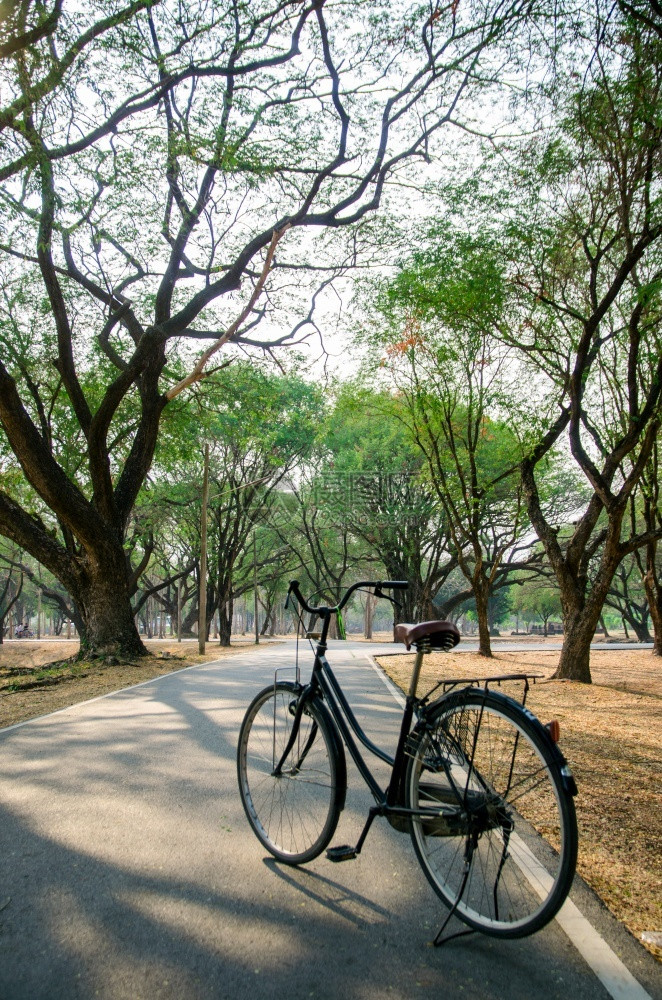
[(295, 813), (499, 842)]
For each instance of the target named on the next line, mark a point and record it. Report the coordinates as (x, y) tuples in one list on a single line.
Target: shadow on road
[(127, 870)]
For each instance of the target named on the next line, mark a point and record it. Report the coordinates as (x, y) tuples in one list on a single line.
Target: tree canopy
[(180, 184), (154, 156)]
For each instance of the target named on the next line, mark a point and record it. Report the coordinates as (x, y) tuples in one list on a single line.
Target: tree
[(452, 377), (259, 424), (262, 429), (141, 223), (627, 595), (538, 599), (586, 259), (376, 479), (321, 536)]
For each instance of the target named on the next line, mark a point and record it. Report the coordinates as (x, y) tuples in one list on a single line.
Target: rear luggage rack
[(498, 679)]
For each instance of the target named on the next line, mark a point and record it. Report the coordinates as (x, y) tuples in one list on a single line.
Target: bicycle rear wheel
[(295, 813), (502, 848)]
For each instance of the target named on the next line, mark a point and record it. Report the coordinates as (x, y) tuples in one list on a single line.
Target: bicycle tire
[(295, 814), (503, 850)]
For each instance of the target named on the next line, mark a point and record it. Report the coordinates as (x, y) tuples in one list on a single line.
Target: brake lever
[(378, 592)]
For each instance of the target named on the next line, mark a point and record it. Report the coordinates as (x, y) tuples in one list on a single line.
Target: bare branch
[(198, 372)]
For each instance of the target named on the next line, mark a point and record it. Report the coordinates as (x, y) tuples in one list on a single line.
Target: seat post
[(422, 647)]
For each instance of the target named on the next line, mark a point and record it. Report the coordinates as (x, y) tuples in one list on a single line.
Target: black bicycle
[(477, 780)]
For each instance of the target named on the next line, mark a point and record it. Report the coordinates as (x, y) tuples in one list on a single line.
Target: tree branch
[(198, 372)]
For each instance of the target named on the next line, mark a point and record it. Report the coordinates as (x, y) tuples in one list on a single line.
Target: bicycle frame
[(389, 801), (324, 679)]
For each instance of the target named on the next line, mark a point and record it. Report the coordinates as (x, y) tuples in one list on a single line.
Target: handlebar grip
[(294, 589), (395, 584)]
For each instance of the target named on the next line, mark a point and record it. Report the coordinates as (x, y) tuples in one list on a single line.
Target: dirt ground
[(611, 733)]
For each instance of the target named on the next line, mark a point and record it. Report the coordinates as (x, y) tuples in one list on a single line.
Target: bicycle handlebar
[(378, 585)]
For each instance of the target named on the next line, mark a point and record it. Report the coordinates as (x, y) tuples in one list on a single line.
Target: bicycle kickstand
[(439, 940)]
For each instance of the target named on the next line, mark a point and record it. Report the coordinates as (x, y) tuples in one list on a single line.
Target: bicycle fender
[(453, 697), (339, 749), (341, 763)]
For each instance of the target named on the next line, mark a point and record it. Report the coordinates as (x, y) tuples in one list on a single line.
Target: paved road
[(127, 869)]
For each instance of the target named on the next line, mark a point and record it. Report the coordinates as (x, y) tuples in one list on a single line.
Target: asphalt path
[(128, 870)]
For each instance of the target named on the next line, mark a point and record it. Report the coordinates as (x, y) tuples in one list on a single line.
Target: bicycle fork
[(296, 725)]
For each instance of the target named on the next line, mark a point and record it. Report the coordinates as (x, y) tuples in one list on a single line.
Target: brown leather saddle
[(441, 635)]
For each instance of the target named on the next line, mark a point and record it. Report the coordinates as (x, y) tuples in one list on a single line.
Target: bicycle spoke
[(509, 795), (295, 811)]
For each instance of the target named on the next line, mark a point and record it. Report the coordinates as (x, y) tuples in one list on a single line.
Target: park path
[(127, 869)]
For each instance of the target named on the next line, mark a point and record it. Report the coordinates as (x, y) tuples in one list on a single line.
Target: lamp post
[(202, 599), (257, 631)]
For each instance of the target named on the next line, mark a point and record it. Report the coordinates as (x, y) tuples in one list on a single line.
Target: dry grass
[(612, 737), (36, 679)]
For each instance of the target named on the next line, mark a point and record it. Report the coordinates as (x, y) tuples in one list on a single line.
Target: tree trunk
[(268, 625), (490, 618), (580, 621), (409, 600), (654, 597), (481, 597), (432, 613), (225, 623), (582, 613), (211, 605), (189, 619), (574, 662), (640, 628), (367, 619), (107, 624)]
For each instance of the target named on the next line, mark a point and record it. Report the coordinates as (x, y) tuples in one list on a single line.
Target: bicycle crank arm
[(344, 852)]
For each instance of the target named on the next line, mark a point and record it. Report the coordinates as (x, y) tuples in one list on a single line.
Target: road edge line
[(129, 687)]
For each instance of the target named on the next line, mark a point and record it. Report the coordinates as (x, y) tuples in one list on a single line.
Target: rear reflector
[(554, 730)]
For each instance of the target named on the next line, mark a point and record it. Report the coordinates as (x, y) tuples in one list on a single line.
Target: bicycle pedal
[(341, 853)]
